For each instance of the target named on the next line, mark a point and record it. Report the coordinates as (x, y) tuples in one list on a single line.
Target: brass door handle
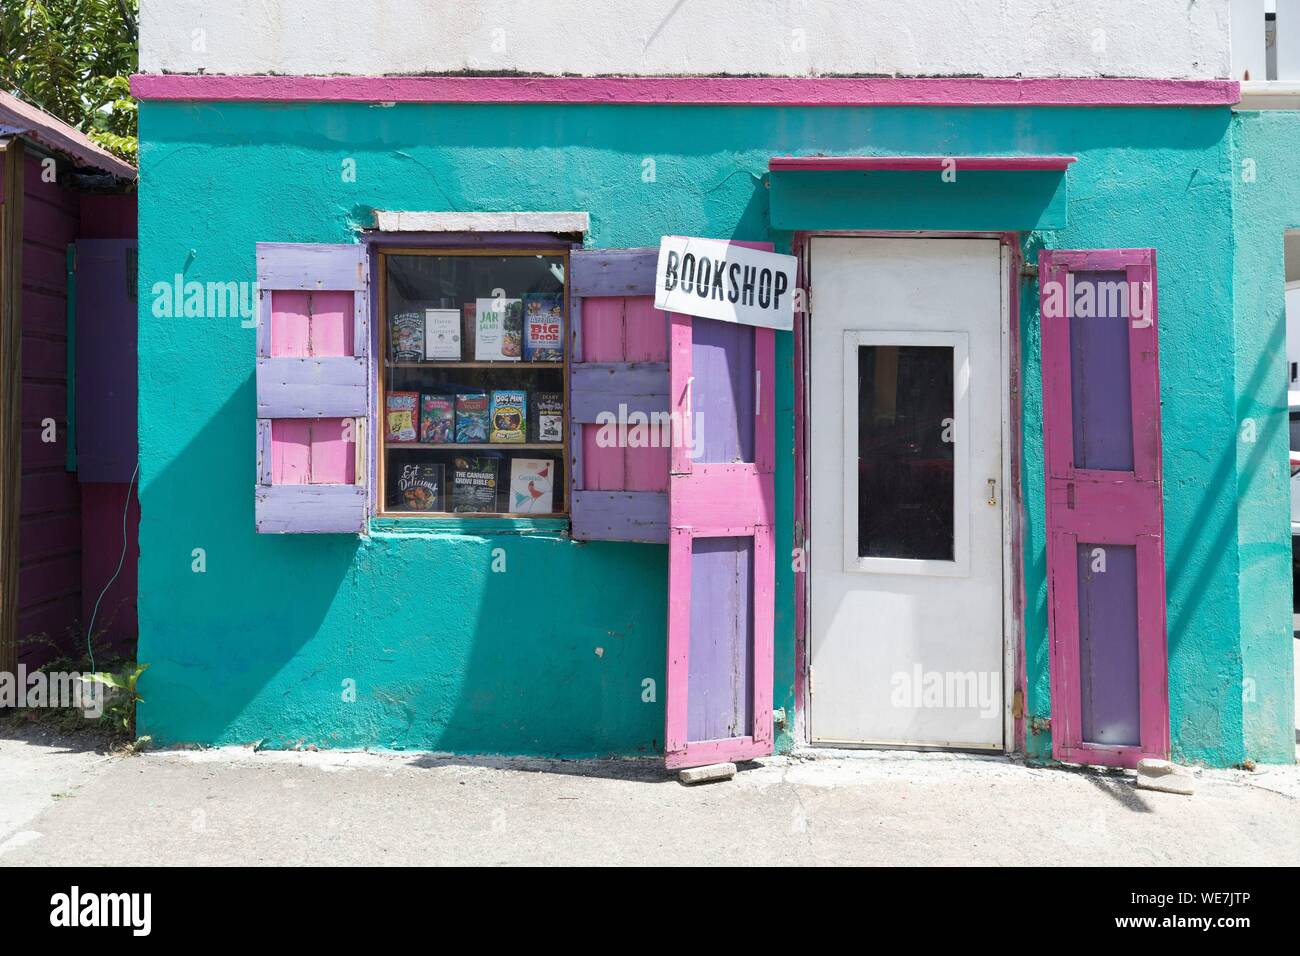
[(993, 493)]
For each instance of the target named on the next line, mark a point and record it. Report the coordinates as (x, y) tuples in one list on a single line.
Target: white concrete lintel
[(408, 221)]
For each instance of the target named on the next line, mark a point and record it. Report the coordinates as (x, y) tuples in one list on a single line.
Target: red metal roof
[(17, 117)]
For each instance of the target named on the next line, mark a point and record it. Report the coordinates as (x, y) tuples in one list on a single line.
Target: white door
[(906, 485)]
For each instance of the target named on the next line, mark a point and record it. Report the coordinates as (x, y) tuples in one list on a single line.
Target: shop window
[(473, 388)]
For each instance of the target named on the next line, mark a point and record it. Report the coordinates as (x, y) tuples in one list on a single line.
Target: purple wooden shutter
[(106, 372), (313, 341), (1105, 549), (618, 367)]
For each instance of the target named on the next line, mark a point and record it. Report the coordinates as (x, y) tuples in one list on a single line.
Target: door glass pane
[(905, 452), (1099, 372)]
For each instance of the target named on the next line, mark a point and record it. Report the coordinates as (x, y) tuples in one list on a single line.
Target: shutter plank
[(603, 386), (620, 516), (614, 272), (311, 509), (311, 266), (311, 387)]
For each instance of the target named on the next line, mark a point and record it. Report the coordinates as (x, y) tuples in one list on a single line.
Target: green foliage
[(74, 58), (120, 710)]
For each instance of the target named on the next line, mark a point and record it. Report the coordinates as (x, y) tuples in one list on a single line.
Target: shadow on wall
[(220, 619), (509, 644)]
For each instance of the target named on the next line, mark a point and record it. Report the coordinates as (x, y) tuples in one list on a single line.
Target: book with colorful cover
[(442, 335), (472, 417), (437, 419), (420, 487), (498, 330), (406, 337), (548, 416), (544, 327), (531, 486), (474, 485), (400, 416), (509, 418)]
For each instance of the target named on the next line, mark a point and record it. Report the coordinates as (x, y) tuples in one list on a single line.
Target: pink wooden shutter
[(313, 339), (618, 367), (721, 564), (1105, 550)]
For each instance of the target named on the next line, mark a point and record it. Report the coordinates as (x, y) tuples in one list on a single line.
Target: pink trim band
[(922, 163), (757, 91)]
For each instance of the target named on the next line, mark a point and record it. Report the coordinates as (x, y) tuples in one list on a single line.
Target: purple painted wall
[(69, 542), (49, 570), (106, 416)]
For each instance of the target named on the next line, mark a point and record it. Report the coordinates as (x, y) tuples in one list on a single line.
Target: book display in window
[(474, 485), (421, 487), (499, 330), (509, 415), (548, 416), (475, 382), (406, 337), (543, 327), (400, 417), (531, 485), (472, 417), (437, 419), (442, 335)]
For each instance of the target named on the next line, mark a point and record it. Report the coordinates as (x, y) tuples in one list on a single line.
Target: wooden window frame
[(475, 519)]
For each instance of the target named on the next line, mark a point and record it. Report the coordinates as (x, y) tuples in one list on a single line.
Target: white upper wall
[(1042, 38)]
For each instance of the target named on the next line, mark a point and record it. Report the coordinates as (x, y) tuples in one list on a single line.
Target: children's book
[(400, 416), (437, 419), (499, 330), (543, 327), (548, 416), (474, 485), (472, 417), (508, 420), (442, 335), (420, 486), (406, 337), (531, 483)]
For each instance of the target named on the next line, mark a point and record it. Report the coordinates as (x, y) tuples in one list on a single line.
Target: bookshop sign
[(724, 281)]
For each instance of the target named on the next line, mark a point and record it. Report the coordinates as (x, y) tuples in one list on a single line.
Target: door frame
[(1013, 581)]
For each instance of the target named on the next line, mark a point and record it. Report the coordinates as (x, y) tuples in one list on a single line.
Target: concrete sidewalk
[(63, 805)]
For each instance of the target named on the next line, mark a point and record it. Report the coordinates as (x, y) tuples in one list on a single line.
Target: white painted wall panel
[(1084, 38)]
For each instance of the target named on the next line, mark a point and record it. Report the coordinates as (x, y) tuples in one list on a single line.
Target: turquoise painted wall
[(1266, 177), (445, 654)]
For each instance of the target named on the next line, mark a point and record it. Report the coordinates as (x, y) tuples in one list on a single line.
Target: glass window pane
[(474, 404), (905, 452)]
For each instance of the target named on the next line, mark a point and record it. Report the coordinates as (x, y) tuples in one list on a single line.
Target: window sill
[(503, 525)]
